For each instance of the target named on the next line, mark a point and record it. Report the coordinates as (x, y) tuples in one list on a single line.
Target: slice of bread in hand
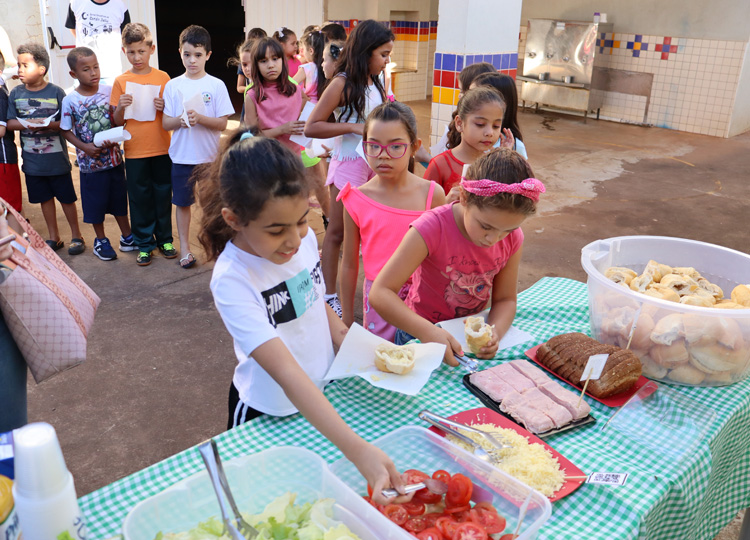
[(397, 359), (478, 333)]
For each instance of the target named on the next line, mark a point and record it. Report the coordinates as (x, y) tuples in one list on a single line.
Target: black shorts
[(239, 413), (43, 188), (104, 192), (182, 188)]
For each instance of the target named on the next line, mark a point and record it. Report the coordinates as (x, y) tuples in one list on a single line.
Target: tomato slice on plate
[(415, 524), (491, 521), (431, 518), (396, 513), (413, 476), (447, 526), (430, 534), (457, 509), (459, 491), (414, 508), (470, 531), (441, 475)]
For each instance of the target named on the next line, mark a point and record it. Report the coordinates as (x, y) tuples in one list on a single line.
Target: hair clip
[(281, 31), (246, 135), (335, 51)]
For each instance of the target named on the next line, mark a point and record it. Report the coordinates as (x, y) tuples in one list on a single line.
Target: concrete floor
[(160, 360)]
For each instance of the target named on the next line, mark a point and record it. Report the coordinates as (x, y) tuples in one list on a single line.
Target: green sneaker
[(144, 258), (168, 250)]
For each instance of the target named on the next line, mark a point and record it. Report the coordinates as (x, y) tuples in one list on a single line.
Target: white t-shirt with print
[(98, 28), (258, 301), (197, 144)]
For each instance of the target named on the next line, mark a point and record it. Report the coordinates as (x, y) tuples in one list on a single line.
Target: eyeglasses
[(394, 150)]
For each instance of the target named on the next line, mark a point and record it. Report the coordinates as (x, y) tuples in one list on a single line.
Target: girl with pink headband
[(462, 256)]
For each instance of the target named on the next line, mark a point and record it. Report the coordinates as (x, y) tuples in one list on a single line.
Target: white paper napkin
[(357, 357), (316, 147), (196, 104), (37, 122), (513, 336), (304, 115), (143, 108), (115, 135)]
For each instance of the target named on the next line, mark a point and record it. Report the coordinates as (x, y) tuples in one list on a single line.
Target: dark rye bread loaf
[(567, 355)]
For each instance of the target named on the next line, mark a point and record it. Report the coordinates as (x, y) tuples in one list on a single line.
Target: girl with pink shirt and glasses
[(462, 256)]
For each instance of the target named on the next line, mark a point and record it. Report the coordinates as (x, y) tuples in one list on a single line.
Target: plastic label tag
[(594, 367), (607, 479)]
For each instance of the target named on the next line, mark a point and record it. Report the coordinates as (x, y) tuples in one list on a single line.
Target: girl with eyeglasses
[(378, 214)]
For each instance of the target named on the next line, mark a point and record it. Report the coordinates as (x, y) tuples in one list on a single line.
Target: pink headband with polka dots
[(531, 188)]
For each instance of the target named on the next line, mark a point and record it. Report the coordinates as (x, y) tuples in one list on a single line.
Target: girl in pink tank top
[(378, 214)]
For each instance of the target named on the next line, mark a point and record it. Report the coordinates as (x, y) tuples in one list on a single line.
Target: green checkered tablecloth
[(664, 497)]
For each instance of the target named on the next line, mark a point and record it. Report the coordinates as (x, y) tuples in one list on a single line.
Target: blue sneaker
[(103, 249), (128, 244)]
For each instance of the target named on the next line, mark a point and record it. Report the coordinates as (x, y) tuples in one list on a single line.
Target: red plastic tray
[(483, 415), (618, 400)]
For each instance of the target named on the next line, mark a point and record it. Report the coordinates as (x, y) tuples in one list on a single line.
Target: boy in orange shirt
[(147, 164)]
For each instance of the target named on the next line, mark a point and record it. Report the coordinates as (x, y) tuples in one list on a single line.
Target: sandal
[(55, 245), (187, 261), (77, 246)]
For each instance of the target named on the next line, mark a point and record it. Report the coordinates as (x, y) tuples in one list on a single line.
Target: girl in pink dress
[(462, 256), (290, 44), (377, 214)]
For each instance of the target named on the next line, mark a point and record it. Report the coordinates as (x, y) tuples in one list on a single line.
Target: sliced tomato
[(485, 506), (431, 518), (430, 533), (459, 491), (414, 508), (415, 524), (457, 509), (369, 491), (413, 476), (396, 513), (447, 526), (470, 531), (491, 521), (443, 476)]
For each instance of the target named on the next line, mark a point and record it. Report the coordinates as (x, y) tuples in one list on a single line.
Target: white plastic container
[(255, 481), (412, 447), (614, 307), (44, 492)]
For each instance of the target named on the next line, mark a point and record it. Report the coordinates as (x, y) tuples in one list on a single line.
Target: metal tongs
[(472, 366), (453, 428), (432, 485), (238, 529)]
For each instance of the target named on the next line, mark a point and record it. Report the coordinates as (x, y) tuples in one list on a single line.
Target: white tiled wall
[(694, 88)]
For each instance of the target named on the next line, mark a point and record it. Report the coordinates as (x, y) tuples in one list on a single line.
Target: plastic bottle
[(44, 492), (9, 525), (597, 17)]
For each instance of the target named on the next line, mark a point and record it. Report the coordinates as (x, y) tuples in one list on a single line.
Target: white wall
[(478, 26), (380, 10), (727, 20), (741, 113), (21, 20), (294, 14)]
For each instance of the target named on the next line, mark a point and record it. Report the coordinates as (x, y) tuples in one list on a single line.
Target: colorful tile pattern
[(414, 30), (448, 66), (637, 45)]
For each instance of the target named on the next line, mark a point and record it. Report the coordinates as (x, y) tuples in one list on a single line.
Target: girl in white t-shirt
[(268, 289)]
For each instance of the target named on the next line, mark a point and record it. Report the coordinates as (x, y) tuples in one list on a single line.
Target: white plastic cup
[(44, 491)]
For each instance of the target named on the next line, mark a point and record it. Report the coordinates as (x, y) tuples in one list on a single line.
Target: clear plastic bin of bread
[(673, 289)]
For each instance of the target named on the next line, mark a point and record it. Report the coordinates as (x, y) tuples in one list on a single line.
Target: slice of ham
[(560, 415), (567, 399), (491, 384), (530, 372), (519, 407)]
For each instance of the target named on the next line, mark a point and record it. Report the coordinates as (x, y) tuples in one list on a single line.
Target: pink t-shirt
[(381, 227), (277, 109), (311, 81), (293, 64), (455, 280)]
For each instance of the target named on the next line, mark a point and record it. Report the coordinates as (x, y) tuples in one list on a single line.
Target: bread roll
[(619, 274), (651, 369), (696, 300), (657, 270), (478, 333), (687, 271), (712, 289), (658, 290), (670, 356), (712, 358), (701, 330), (668, 329), (682, 285), (741, 295), (728, 304), (686, 374), (397, 359), (641, 283), (723, 377)]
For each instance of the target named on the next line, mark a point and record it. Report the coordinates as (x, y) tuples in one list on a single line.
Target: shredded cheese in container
[(530, 463)]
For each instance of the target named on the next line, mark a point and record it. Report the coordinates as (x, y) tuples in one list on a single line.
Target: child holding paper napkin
[(86, 111), (196, 108)]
